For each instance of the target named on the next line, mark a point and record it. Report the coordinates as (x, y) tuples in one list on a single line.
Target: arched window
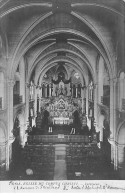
[(1, 90)]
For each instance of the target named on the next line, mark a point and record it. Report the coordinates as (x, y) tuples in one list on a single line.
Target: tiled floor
[(60, 170), (60, 162)]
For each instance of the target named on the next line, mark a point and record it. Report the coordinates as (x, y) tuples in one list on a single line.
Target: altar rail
[(38, 139)]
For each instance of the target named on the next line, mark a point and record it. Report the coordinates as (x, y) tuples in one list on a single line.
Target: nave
[(62, 89)]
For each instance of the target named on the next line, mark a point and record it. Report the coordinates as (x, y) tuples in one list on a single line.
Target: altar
[(60, 109), (62, 120)]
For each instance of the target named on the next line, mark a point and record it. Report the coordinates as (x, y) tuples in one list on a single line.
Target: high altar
[(60, 110), (62, 106)]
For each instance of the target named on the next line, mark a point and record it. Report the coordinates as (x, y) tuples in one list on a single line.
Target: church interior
[(62, 90)]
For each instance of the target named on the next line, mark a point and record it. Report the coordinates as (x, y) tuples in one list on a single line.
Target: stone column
[(45, 90), (113, 119), (35, 102), (82, 95), (22, 79), (10, 85), (113, 161), (112, 108), (121, 161), (76, 91), (95, 107), (2, 89), (27, 106), (101, 120), (53, 93), (121, 91), (50, 90), (120, 155), (22, 134), (10, 105), (87, 105), (115, 150), (39, 92), (3, 147), (23, 125), (100, 79)]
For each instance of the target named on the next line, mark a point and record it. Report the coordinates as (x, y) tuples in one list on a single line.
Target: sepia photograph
[(62, 95)]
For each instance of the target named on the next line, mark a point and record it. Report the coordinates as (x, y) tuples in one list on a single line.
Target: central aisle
[(60, 172)]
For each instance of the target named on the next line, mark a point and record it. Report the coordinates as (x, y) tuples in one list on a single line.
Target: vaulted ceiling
[(74, 32)]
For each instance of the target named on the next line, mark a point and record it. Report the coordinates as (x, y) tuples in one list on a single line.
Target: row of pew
[(40, 159), (82, 162)]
